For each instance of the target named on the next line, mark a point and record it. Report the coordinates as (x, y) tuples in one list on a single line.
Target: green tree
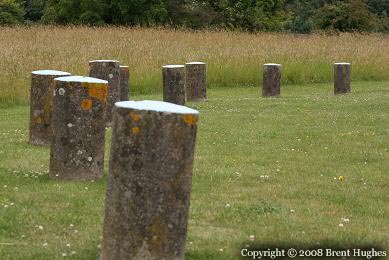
[(10, 12), (346, 16)]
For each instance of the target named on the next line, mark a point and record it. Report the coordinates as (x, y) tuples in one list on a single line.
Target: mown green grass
[(303, 141)]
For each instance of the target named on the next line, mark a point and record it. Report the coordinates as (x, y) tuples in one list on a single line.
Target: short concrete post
[(196, 77), (174, 84), (124, 83), (150, 179), (108, 70), (41, 105), (342, 78), (271, 80), (77, 147)]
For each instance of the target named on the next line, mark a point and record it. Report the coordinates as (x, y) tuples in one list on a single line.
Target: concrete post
[(124, 83), (77, 147), (150, 179), (342, 78), (196, 77), (41, 105), (174, 84), (271, 80)]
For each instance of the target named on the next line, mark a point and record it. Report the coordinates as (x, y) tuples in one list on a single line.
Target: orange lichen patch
[(97, 90), (190, 119), (38, 120), (135, 130), (86, 104), (134, 117)]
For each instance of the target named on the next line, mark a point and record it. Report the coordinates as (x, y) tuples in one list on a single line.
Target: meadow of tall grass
[(233, 58)]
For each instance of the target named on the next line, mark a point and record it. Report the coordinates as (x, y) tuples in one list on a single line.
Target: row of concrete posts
[(151, 161), (272, 79), (152, 149)]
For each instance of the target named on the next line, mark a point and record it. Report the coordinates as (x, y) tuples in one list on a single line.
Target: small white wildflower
[(64, 254), (5, 186), (292, 211), (40, 227), (341, 225), (45, 244), (68, 245), (12, 204), (228, 205), (251, 237), (76, 231), (86, 188), (73, 253), (221, 249), (5, 206), (71, 225)]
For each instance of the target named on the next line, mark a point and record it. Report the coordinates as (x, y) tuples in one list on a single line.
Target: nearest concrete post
[(124, 83), (342, 78), (150, 179), (174, 84), (196, 78), (108, 70), (41, 105), (271, 80), (77, 147)]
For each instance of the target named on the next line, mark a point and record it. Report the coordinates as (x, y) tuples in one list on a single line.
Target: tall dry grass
[(234, 59)]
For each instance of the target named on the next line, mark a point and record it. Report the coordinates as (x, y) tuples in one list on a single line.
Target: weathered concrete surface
[(150, 178), (174, 84), (271, 80), (342, 78), (124, 83), (196, 78), (108, 70), (77, 147), (41, 105)]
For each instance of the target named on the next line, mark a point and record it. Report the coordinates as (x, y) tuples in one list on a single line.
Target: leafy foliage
[(299, 16)]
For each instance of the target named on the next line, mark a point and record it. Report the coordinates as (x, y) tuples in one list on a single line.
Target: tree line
[(300, 16)]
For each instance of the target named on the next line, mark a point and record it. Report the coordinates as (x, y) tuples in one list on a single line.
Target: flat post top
[(157, 106), (50, 73), (81, 79)]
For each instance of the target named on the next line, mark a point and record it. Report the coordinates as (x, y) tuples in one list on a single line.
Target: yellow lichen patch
[(38, 120), (190, 119), (97, 90), (86, 104), (135, 130), (134, 117)]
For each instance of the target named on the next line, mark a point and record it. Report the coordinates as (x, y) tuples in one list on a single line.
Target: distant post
[(77, 147), (41, 105), (271, 80), (342, 78), (150, 179), (124, 83), (174, 84), (196, 77), (108, 70)]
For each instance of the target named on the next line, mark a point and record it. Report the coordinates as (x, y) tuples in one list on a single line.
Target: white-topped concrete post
[(108, 70), (77, 147), (150, 179), (271, 80), (174, 84), (41, 105), (342, 78), (124, 83), (196, 81)]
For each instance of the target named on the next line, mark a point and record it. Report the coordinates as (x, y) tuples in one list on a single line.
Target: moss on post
[(41, 105), (174, 84), (77, 147), (150, 179)]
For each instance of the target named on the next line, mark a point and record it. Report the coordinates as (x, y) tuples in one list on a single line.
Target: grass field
[(267, 168), (234, 59)]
